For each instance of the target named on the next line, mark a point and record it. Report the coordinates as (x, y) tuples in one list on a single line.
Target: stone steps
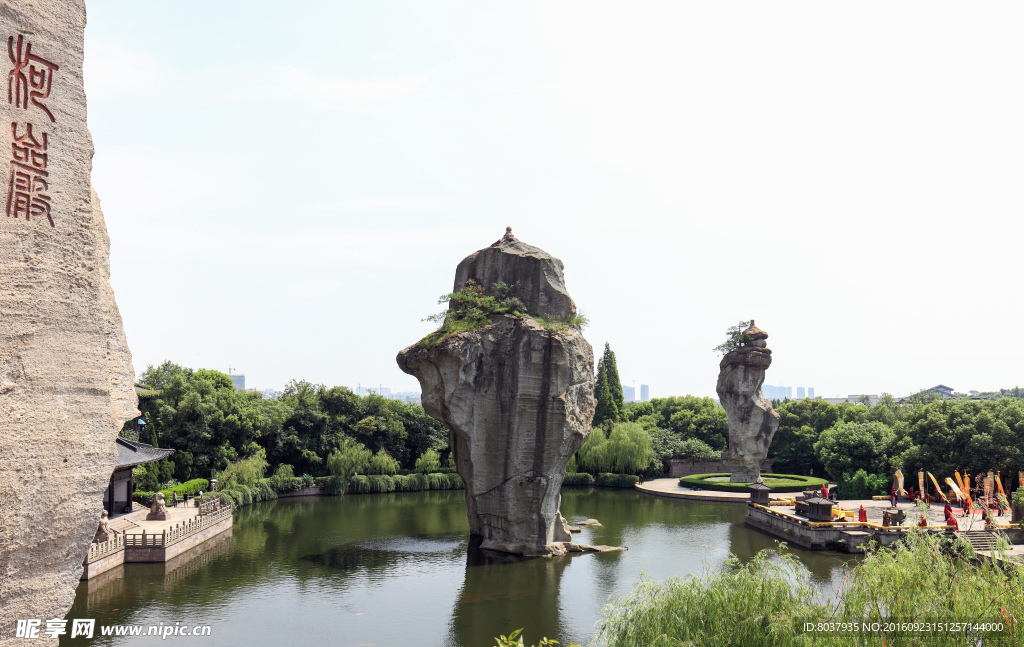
[(980, 539)]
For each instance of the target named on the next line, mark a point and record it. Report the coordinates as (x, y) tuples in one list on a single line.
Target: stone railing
[(177, 532), (209, 507), (98, 551)]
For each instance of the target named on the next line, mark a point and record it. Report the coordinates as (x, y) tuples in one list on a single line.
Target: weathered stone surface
[(518, 402), (752, 421), (65, 371), (541, 283)]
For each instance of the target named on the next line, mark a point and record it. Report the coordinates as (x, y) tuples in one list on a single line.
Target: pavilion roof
[(131, 453)]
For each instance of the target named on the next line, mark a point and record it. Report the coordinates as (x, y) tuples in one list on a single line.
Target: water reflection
[(401, 568)]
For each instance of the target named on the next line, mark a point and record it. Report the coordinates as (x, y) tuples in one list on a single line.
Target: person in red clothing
[(924, 521), (947, 511), (824, 490), (892, 495), (951, 520), (862, 515)]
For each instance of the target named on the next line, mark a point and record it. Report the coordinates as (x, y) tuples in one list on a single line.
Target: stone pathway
[(135, 522)]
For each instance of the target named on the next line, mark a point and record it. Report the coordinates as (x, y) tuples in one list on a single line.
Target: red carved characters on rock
[(31, 77), (27, 187)]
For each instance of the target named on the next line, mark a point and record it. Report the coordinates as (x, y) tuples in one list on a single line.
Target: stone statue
[(752, 421), (103, 532), (157, 511), (517, 399)]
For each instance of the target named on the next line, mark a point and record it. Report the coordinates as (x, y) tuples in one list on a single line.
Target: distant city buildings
[(786, 392), (628, 393), (239, 381), (645, 393), (412, 397), (855, 398)]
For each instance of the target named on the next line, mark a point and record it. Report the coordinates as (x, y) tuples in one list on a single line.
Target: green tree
[(614, 383), (848, 446), (626, 449), (734, 338), (429, 462), (607, 410)]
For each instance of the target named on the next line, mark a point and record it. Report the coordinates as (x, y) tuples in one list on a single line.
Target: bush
[(777, 482), (428, 462), (144, 497), (352, 458), (284, 479), (244, 472), (382, 463), (371, 484), (193, 487), (580, 479), (616, 480), (861, 485)]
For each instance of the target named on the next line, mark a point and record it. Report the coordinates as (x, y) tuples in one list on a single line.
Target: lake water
[(398, 569)]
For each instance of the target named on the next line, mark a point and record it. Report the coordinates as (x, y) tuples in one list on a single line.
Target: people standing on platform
[(862, 515), (824, 490), (892, 496)]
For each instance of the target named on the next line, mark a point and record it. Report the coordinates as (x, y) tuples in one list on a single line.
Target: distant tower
[(239, 381), (789, 392), (628, 393), (810, 392), (645, 393), (799, 393)]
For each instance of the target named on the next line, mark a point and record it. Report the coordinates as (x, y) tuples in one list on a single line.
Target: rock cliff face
[(752, 421), (517, 400), (65, 371)]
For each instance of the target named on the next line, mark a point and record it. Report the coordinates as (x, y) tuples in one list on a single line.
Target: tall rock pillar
[(65, 371), (517, 399), (752, 421)]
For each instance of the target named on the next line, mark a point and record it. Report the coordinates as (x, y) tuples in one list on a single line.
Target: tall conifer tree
[(614, 384), (606, 408)]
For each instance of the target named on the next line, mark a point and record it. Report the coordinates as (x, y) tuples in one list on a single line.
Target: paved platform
[(135, 522), (670, 488)]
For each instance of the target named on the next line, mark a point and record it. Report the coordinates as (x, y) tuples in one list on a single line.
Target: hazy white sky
[(289, 186)]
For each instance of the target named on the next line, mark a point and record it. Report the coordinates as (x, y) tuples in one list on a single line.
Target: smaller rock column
[(752, 421)]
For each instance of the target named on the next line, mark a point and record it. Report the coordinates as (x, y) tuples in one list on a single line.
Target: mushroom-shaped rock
[(516, 398)]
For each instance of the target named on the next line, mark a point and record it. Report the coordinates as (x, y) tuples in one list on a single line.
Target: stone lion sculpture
[(157, 511)]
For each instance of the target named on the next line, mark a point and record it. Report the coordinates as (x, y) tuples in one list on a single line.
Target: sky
[(288, 187)]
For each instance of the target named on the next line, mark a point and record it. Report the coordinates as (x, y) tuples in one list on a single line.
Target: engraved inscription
[(27, 186), (31, 77)]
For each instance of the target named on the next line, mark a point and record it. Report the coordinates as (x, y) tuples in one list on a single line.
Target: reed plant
[(770, 600)]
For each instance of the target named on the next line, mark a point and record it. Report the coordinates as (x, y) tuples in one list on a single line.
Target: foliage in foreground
[(765, 602), (515, 640)]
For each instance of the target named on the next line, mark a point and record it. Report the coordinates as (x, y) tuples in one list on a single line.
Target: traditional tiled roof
[(818, 501), (758, 486), (131, 453)]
